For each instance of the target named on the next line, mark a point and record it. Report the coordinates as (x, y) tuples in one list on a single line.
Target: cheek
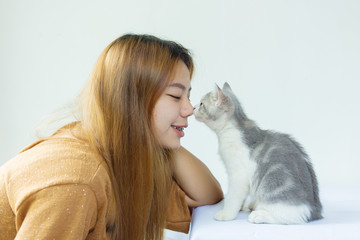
[(161, 117), (166, 111), (157, 121)]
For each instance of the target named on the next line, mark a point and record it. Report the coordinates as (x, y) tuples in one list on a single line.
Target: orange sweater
[(59, 189)]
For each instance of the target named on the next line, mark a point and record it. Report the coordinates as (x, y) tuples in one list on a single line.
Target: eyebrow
[(179, 85)]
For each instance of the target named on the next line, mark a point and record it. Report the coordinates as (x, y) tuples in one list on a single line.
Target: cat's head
[(216, 107)]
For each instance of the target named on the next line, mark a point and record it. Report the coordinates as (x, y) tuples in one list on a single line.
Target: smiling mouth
[(181, 129)]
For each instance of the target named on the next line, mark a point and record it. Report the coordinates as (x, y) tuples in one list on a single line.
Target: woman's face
[(173, 108)]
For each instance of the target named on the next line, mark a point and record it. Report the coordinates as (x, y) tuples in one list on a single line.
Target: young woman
[(120, 171)]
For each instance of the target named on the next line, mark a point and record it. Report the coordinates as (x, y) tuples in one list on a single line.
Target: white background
[(294, 65)]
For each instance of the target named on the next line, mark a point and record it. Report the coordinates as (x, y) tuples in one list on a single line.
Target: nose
[(187, 109)]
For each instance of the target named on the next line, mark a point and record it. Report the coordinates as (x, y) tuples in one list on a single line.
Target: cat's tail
[(316, 212)]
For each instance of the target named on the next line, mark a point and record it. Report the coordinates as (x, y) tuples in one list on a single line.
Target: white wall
[(293, 64)]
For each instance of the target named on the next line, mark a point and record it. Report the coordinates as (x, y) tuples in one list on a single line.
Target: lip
[(179, 132)]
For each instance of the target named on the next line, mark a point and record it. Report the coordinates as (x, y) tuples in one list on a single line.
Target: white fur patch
[(236, 157), (280, 214), (234, 153)]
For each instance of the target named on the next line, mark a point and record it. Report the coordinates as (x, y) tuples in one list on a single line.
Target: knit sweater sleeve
[(58, 212)]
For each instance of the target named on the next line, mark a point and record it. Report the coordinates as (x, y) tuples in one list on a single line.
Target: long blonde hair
[(117, 104)]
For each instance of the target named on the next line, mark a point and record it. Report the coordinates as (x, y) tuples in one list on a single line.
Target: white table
[(341, 211)]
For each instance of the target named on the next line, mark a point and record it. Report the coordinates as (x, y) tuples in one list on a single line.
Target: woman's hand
[(196, 180)]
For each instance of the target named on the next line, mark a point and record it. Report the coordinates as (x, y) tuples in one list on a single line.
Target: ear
[(219, 94), (227, 86)]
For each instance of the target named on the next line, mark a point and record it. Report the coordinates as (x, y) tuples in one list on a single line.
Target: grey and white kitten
[(270, 167)]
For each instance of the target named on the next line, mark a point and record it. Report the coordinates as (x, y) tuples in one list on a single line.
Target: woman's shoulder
[(58, 160), (62, 157)]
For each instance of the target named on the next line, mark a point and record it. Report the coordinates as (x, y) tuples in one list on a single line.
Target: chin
[(172, 146)]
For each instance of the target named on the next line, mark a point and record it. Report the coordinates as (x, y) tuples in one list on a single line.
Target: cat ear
[(220, 95), (227, 86)]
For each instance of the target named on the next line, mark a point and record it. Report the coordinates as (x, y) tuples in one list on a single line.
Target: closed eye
[(176, 97)]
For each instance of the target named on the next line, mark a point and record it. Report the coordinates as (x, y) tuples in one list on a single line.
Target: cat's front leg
[(227, 213), (233, 201)]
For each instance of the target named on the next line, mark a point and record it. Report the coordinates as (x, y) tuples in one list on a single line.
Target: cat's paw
[(260, 216), (223, 215)]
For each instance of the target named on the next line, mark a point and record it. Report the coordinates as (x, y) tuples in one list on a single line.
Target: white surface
[(172, 235), (341, 222)]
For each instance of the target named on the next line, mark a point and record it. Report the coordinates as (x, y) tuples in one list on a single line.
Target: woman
[(119, 172)]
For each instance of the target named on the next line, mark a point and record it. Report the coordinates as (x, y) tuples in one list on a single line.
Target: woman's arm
[(199, 185), (63, 211)]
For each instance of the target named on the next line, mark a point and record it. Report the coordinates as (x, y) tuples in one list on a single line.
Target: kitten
[(270, 167)]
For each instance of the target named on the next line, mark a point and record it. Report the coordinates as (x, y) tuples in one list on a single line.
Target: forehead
[(181, 77), (177, 85)]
